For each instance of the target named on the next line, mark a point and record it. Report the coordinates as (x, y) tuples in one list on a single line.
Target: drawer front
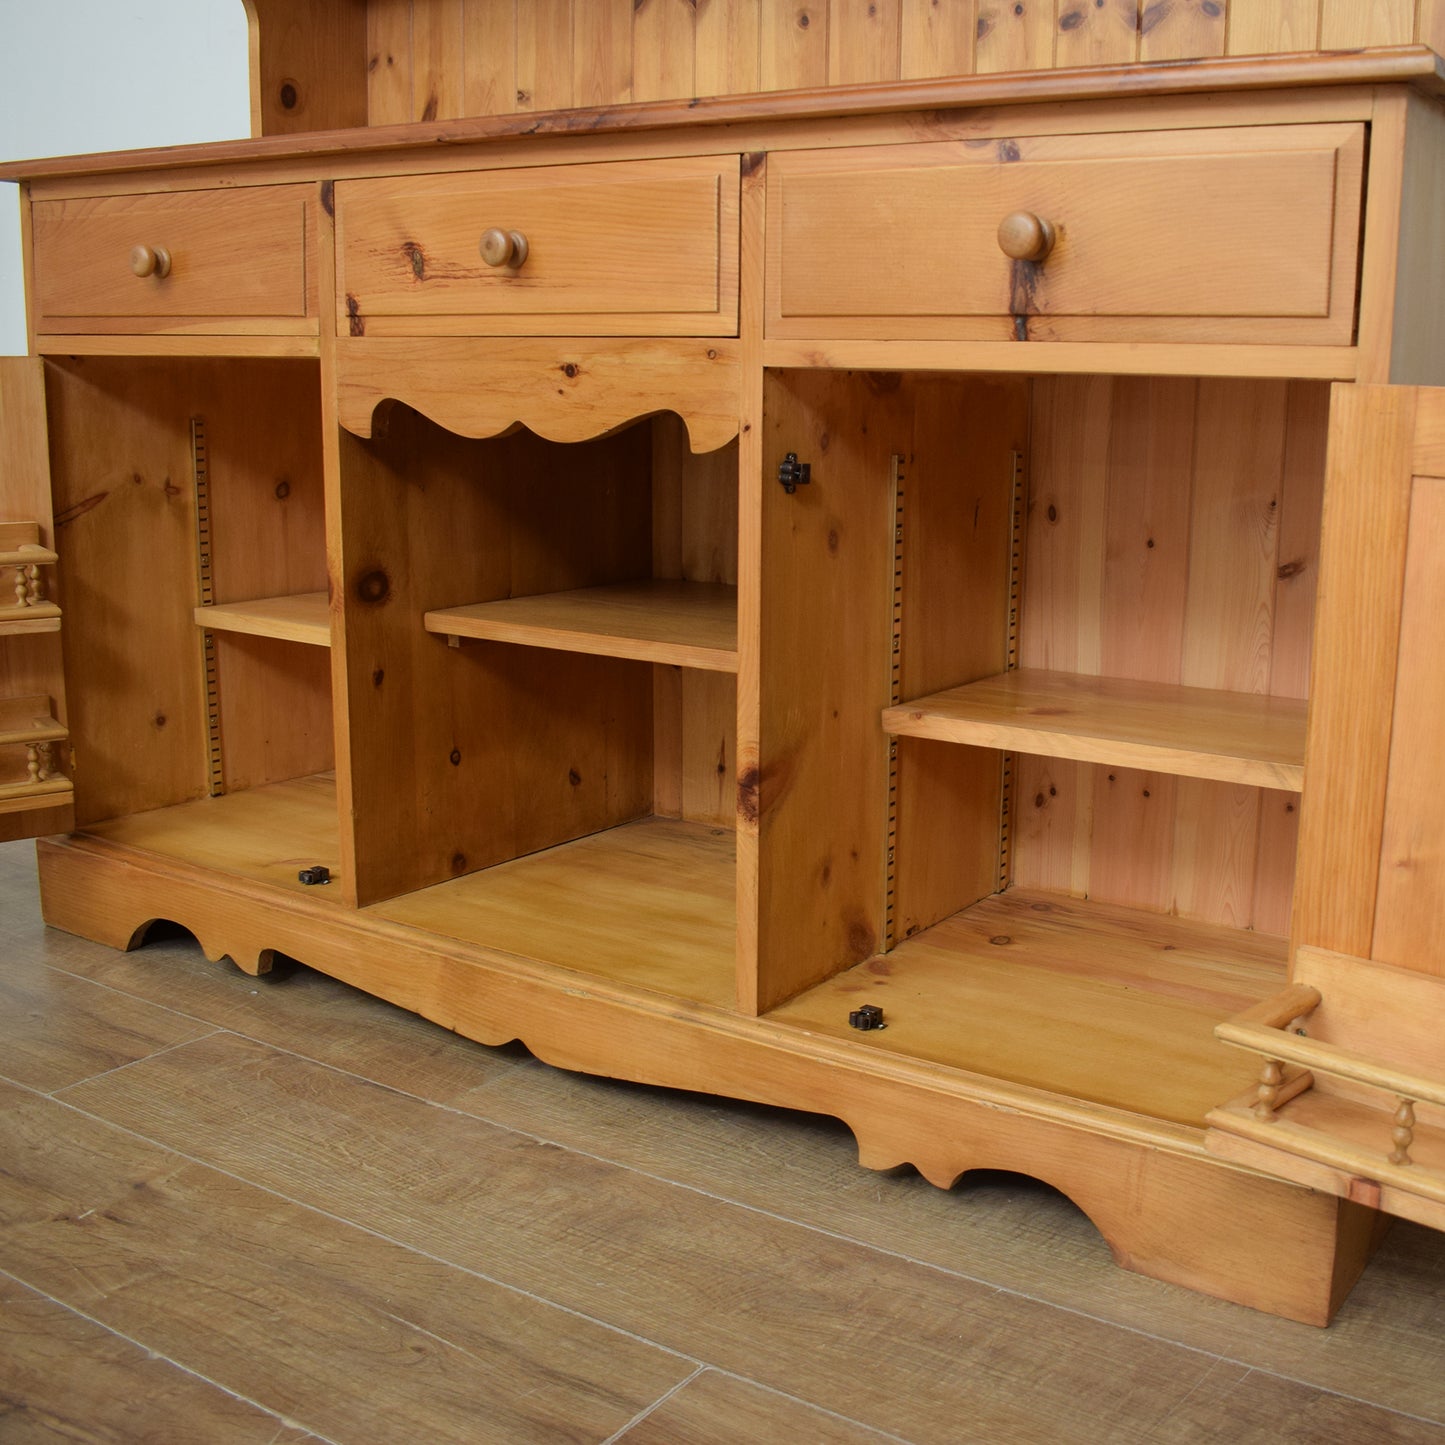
[(237, 262), (1239, 235), (632, 248)]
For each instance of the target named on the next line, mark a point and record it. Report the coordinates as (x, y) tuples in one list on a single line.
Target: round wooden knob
[(1025, 236), (150, 261), (504, 248)]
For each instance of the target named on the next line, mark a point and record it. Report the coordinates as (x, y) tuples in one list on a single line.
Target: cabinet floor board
[(1097, 1002), (246, 832), (588, 905)]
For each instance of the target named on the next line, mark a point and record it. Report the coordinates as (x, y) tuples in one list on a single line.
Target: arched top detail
[(566, 391)]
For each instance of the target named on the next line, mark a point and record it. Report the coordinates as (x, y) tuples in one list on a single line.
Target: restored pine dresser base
[(996, 721)]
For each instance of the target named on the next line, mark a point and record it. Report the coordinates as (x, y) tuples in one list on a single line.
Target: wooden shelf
[(17, 621), (1191, 732), (25, 721), (687, 624), (29, 720), (1090, 1001), (305, 617)]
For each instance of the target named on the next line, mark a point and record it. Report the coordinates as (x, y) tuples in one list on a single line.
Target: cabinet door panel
[(1352, 1099), (35, 791)]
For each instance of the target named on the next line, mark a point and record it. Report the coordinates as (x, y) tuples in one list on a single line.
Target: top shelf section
[(1190, 732), (687, 624)]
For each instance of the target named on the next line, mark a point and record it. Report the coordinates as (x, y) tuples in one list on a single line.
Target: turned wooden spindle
[(34, 589), (1267, 1095), (150, 261), (47, 761), (1025, 236), (22, 588), (503, 248), (1404, 1132), (32, 762)]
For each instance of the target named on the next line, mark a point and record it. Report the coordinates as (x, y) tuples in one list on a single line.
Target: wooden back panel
[(437, 59), (694, 537), (1172, 537), (463, 757)]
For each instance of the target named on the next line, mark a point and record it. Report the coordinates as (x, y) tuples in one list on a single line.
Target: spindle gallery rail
[(27, 722), (30, 612), (1307, 1083)]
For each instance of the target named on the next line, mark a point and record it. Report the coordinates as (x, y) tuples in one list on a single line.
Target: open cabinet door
[(35, 766), (1352, 1086)]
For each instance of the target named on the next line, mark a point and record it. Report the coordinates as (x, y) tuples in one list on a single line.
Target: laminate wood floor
[(275, 1210)]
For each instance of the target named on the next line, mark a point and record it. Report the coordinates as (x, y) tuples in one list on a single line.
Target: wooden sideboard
[(705, 580)]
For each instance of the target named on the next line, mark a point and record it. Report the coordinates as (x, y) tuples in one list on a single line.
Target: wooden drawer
[(1238, 235), (238, 262), (631, 248)]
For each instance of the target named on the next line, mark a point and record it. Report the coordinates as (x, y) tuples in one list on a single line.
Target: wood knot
[(749, 805), (374, 587)]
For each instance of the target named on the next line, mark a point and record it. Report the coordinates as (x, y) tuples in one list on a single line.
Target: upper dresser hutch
[(884, 558)]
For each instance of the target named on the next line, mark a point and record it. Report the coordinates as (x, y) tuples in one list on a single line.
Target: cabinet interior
[(1117, 532), (179, 483), (540, 746)]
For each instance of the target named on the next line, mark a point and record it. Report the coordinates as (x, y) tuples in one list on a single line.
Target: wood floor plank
[(718, 1409), (298, 1009), (292, 1007), (349, 1336), (56, 1030), (883, 1341), (63, 1377), (1249, 1408), (1010, 1231)]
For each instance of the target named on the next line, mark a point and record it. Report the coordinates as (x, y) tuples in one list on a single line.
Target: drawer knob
[(1025, 236), (504, 248), (150, 261)]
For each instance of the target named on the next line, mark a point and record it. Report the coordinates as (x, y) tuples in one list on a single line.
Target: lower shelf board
[(1106, 1005), (649, 904), (1091, 1001)]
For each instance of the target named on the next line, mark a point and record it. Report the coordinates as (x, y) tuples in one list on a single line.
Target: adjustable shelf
[(304, 617), (27, 722), (1191, 732), (20, 548), (687, 624)]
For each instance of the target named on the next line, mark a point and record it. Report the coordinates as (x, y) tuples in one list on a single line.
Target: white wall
[(97, 75)]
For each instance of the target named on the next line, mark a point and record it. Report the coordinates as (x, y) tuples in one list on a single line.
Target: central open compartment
[(541, 649)]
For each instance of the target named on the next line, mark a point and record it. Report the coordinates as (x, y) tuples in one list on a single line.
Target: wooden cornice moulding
[(564, 390), (1415, 65)]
